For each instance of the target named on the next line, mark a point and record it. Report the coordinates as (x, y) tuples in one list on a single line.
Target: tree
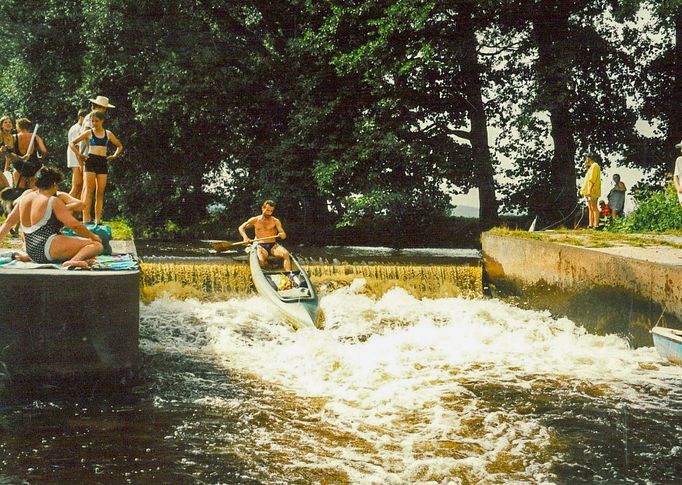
[(42, 66), (563, 74), (421, 86), (658, 46)]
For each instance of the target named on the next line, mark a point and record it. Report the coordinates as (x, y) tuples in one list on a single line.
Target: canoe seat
[(294, 293)]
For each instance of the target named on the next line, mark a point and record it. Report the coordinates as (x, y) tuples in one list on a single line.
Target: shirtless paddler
[(268, 228)]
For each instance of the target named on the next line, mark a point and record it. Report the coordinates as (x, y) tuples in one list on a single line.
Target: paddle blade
[(221, 246)]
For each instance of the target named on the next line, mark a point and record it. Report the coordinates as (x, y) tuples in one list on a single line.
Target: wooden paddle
[(224, 245)]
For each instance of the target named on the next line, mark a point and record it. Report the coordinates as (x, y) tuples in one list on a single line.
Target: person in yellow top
[(592, 189)]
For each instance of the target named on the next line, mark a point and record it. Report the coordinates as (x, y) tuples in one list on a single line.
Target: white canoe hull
[(300, 309)]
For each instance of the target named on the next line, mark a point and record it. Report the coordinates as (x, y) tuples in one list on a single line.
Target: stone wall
[(56, 323), (606, 293)]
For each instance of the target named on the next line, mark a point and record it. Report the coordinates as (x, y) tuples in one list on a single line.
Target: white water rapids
[(401, 390)]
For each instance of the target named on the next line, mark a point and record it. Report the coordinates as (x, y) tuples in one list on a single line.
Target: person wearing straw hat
[(678, 173), (95, 164), (99, 103)]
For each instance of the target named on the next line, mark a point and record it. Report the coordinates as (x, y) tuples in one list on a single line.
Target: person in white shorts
[(72, 160), (678, 173)]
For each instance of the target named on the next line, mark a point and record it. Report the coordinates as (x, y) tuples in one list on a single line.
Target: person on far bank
[(616, 197), (678, 173), (71, 158), (42, 214), (267, 228), (95, 164), (592, 190), (604, 209)]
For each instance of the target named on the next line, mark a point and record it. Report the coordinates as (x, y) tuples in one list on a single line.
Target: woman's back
[(23, 141), (32, 207)]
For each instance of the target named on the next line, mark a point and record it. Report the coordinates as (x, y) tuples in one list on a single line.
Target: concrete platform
[(607, 290), (62, 324)]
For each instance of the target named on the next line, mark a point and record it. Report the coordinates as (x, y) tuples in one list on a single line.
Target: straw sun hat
[(102, 101)]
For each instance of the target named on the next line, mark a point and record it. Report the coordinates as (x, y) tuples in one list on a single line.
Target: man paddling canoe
[(268, 228)]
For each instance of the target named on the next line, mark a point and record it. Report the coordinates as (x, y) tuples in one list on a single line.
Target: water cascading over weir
[(210, 280)]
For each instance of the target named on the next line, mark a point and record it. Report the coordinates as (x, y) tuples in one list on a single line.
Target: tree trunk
[(550, 29), (471, 73)]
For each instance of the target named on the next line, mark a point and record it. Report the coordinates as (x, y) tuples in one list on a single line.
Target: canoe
[(291, 292), (668, 343)]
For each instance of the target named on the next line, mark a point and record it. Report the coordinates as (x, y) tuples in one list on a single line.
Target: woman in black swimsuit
[(26, 163), (42, 216)]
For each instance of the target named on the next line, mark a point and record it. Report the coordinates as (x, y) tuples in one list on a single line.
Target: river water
[(395, 390)]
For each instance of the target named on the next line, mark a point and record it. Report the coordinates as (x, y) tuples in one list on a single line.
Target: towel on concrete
[(119, 262)]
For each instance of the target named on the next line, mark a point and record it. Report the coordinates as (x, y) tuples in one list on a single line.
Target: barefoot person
[(95, 170), (71, 158), (267, 228), (42, 215), (592, 189)]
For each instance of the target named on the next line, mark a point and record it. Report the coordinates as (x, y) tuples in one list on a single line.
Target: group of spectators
[(31, 196), (591, 189)]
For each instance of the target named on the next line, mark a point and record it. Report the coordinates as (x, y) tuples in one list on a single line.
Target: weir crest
[(217, 280)]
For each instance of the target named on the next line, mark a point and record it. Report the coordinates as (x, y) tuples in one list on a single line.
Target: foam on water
[(401, 382)]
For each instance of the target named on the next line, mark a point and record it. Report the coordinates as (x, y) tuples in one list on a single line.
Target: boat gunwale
[(669, 333)]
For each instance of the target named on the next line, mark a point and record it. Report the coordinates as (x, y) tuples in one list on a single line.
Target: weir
[(214, 280)]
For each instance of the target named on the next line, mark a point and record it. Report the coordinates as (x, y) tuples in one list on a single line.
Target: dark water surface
[(158, 250), (395, 390)]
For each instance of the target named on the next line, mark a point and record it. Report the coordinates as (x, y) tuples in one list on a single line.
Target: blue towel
[(102, 230)]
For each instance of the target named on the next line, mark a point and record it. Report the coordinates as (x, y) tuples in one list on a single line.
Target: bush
[(120, 230), (657, 211)]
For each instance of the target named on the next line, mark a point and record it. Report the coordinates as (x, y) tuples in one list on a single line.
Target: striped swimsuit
[(40, 235)]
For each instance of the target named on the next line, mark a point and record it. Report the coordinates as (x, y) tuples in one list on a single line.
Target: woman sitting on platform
[(42, 215)]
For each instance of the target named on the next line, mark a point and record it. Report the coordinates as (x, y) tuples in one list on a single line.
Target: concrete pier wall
[(605, 292), (61, 324)]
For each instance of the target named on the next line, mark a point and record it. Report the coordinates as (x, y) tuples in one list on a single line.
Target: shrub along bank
[(657, 211)]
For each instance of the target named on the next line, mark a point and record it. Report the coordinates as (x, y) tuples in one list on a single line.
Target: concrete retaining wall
[(56, 323), (607, 293)]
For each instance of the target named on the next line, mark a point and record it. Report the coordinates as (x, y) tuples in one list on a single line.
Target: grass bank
[(596, 239)]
